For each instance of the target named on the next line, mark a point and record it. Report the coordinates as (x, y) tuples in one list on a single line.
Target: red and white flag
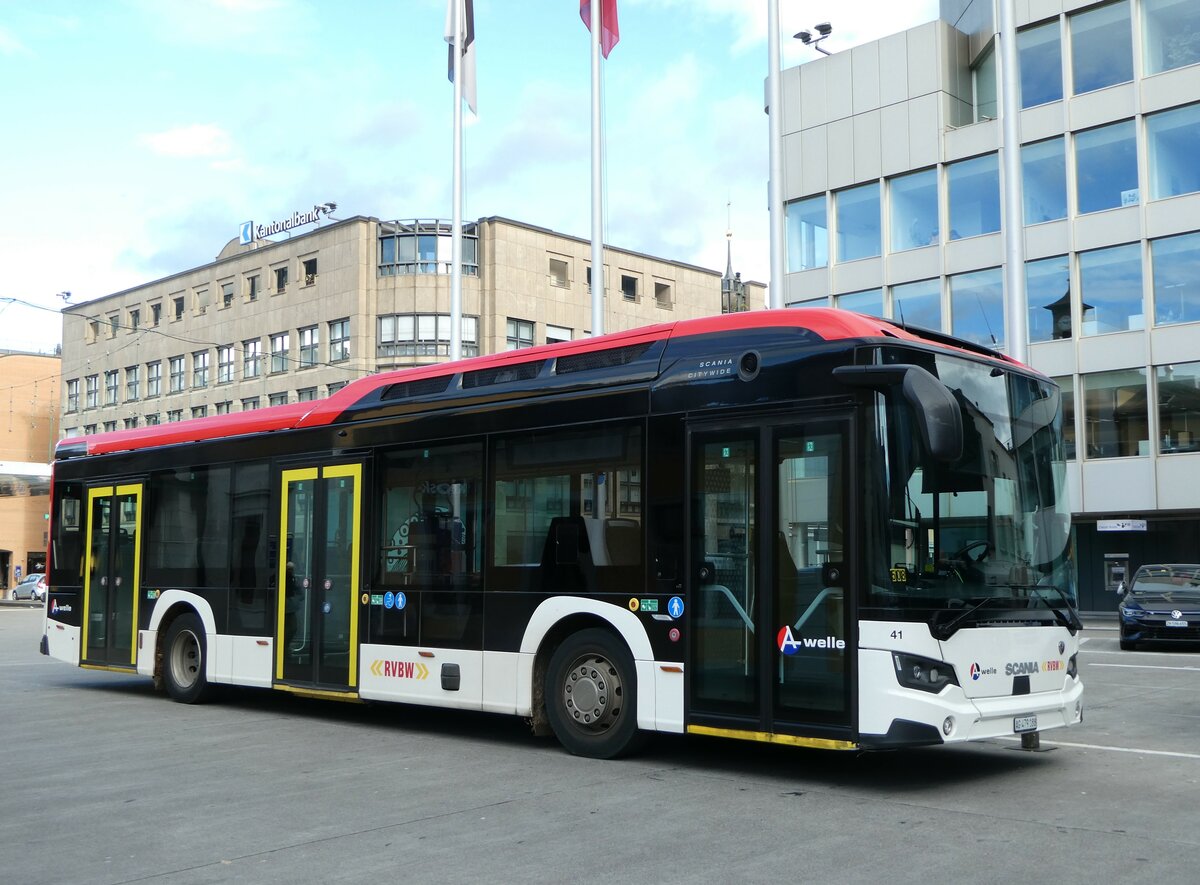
[(609, 33), (467, 42)]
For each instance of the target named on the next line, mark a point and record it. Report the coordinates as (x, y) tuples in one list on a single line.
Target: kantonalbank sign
[(251, 231)]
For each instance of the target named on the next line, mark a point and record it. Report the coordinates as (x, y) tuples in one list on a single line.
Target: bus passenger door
[(112, 576), (771, 648), (318, 594)]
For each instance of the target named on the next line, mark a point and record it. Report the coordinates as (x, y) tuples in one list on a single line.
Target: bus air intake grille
[(501, 375), (418, 387), (600, 359)]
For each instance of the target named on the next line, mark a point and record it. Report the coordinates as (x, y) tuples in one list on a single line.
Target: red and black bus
[(801, 526)]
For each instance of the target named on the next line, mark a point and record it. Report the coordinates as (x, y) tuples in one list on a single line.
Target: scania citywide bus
[(805, 526)]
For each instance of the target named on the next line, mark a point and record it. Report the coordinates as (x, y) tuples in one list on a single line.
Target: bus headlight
[(925, 674)]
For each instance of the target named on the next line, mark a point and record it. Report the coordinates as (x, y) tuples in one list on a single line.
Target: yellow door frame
[(113, 492)]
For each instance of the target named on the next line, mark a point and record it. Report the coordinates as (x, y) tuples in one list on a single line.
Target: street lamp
[(824, 29)]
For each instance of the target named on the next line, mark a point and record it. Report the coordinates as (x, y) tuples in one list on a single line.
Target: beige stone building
[(27, 436), (274, 322)]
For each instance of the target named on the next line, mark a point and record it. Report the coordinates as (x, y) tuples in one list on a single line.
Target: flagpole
[(775, 140), (456, 194), (597, 180)]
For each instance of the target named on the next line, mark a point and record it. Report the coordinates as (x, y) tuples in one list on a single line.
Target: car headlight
[(925, 674), (1133, 612)]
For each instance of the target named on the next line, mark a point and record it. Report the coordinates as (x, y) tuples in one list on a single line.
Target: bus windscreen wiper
[(945, 631), (1070, 620)]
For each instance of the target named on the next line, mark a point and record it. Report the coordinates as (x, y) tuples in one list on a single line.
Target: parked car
[(1161, 604), (32, 586)]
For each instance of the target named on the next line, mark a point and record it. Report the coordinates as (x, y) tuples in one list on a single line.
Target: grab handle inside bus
[(936, 411)]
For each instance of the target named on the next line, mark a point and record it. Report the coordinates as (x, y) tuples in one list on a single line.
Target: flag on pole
[(467, 63), (609, 34)]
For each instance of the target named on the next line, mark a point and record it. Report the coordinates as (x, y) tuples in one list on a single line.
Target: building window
[(1066, 386), (226, 294), (555, 334), (1116, 422), (155, 314), (1171, 34), (1101, 47), (175, 374), (1040, 62), (114, 323), (983, 84), (133, 383), (662, 294), (1173, 140), (174, 415), (974, 187), (1044, 180), (339, 341), (1110, 285), (91, 391), (152, 419), (807, 234), (200, 368), (225, 364), (199, 411), (424, 247), (1175, 267), (110, 387), (251, 358), (858, 222), (110, 426), (306, 394), (202, 301), (1048, 291), (823, 301), (914, 202), (281, 279), (153, 379), (629, 287), (73, 395), (519, 334), (977, 306), (869, 301), (225, 407), (135, 318), (277, 399), (89, 429), (309, 345), (252, 288), (279, 352), (93, 331), (560, 273), (310, 271), (131, 423), (177, 303), (919, 304), (249, 404), (424, 334), (1106, 175), (1176, 388), (331, 389)]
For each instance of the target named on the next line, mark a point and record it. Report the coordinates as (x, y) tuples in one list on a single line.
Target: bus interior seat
[(623, 540), (567, 557)]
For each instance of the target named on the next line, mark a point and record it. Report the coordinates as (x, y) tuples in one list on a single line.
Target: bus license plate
[(1177, 623), (1024, 723)]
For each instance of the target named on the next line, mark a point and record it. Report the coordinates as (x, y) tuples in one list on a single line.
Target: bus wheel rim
[(185, 659), (592, 693)]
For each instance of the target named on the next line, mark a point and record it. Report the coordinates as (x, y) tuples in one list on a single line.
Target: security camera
[(804, 37), (824, 29)]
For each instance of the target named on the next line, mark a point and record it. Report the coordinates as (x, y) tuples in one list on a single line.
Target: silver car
[(32, 587)]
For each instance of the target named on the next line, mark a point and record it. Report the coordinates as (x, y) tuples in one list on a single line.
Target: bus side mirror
[(938, 416)]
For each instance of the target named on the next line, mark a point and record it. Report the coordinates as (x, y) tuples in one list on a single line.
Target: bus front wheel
[(591, 695), (185, 659)]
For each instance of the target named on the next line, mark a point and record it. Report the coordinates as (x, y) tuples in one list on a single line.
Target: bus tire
[(185, 660), (591, 695)]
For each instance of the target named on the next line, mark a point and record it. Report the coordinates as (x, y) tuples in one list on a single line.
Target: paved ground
[(102, 780)]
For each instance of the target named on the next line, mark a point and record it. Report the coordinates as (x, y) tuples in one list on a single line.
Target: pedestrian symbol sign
[(675, 607)]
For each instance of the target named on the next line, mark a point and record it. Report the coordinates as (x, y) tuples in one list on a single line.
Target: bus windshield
[(955, 543)]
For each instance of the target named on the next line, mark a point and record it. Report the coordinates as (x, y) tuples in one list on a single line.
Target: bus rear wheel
[(591, 695), (185, 660)]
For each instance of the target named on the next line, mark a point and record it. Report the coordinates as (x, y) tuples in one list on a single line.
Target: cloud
[(10, 45), (197, 140)]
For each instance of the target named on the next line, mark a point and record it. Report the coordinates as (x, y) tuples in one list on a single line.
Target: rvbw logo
[(789, 644)]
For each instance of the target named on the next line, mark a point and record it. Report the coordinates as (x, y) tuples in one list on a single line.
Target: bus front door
[(112, 576), (771, 651), (318, 593)]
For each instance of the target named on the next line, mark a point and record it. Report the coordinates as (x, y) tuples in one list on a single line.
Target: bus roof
[(827, 323)]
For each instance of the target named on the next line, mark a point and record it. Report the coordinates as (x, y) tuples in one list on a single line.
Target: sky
[(140, 134)]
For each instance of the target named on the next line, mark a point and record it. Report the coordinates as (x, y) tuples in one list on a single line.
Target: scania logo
[(1021, 668), (1062, 647)]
